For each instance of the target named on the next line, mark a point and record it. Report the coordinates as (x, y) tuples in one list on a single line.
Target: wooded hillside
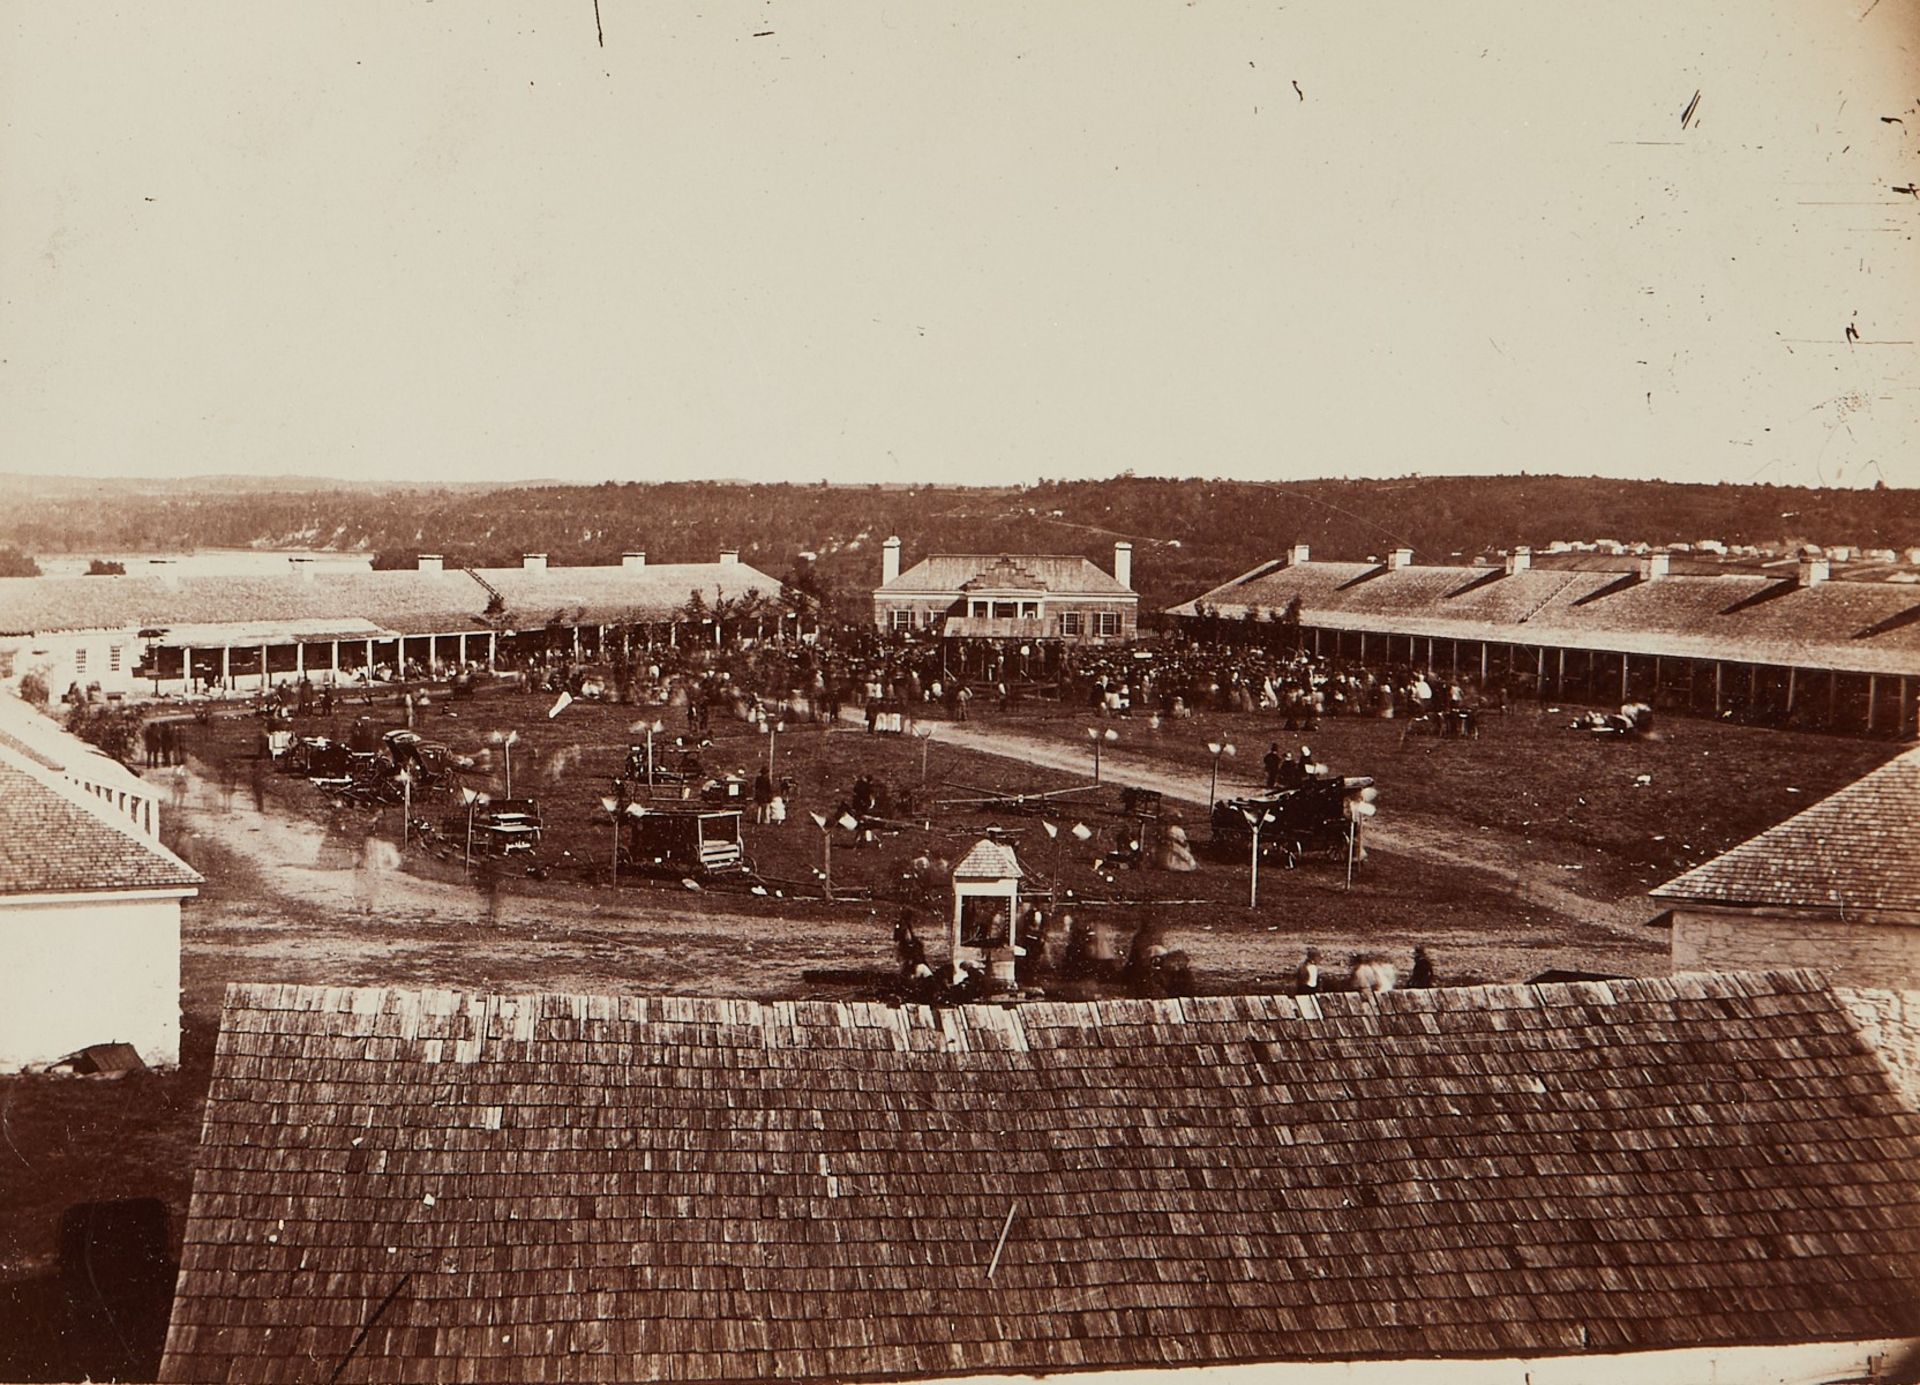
[(1188, 535)]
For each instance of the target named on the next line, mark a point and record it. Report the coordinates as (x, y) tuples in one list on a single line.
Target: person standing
[(1421, 977), (1271, 761)]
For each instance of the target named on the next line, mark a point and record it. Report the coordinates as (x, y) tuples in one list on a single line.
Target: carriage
[(687, 842), (1315, 819)]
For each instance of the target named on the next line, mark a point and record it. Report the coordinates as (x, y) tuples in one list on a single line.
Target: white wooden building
[(89, 921)]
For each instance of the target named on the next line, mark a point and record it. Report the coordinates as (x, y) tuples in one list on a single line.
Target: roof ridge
[(751, 1012)]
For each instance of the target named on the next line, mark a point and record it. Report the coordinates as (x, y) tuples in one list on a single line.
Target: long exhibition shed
[(157, 632), (1798, 648)]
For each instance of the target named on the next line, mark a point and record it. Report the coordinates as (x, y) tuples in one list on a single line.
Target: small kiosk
[(986, 907)]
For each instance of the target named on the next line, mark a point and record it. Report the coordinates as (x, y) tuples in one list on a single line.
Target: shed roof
[(1864, 627), (57, 839), (443, 1186), (405, 600), (1856, 850), (948, 574)]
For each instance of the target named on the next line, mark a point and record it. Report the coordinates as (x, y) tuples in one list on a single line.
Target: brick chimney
[(1654, 566), (889, 560), (430, 562), (533, 562), (729, 557), (637, 558), (1814, 569), (1297, 555), (1519, 560), (1123, 564), (1399, 558)]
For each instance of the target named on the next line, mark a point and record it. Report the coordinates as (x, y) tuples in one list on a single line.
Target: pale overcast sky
[(982, 242)]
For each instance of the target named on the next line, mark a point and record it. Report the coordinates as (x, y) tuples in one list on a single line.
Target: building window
[(1106, 622), (1029, 610), (900, 618), (1005, 610), (80, 663), (113, 659), (983, 609), (1069, 622)]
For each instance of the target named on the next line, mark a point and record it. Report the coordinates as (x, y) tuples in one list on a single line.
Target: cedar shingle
[(785, 1190)]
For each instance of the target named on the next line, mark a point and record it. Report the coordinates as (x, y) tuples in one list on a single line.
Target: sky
[(991, 242)]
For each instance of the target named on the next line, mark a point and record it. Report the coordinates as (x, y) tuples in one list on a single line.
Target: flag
[(560, 704), (849, 821), (1082, 832), (1052, 831), (818, 821)]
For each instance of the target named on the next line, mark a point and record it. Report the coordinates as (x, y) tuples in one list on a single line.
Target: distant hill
[(1188, 535)]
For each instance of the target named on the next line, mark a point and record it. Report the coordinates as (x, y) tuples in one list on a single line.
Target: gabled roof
[(48, 745), (443, 1186), (989, 860), (1865, 627), (404, 600), (1855, 850), (57, 839), (947, 574)]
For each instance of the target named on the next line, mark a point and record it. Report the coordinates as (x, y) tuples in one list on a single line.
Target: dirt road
[(1534, 881)]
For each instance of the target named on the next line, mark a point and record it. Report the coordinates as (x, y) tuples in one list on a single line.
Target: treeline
[(1188, 535)]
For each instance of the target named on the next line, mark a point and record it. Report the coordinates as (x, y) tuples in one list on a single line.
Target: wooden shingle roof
[(404, 600), (439, 1186), (1854, 851), (1863, 627), (988, 860), (56, 839), (942, 574)]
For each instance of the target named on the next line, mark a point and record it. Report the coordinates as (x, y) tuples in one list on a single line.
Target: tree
[(1290, 623), (110, 728), (14, 563), (102, 567)]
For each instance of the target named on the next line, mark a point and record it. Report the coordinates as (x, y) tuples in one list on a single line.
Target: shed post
[(369, 661), (264, 682), (576, 644), (1560, 676), (1719, 687), (226, 667), (299, 660), (493, 650), (1873, 698), (463, 648), (186, 670), (1625, 660), (1483, 661), (336, 662), (1791, 671), (1833, 694)]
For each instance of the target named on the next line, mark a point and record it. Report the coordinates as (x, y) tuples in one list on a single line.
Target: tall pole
[(649, 759), (509, 750), (406, 806), (1253, 876), (612, 805), (470, 803), (826, 859)]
